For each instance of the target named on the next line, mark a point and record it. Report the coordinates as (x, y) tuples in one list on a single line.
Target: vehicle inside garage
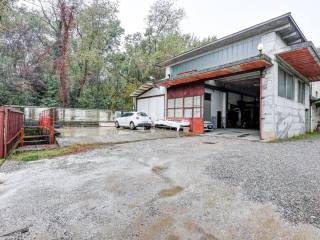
[(233, 102)]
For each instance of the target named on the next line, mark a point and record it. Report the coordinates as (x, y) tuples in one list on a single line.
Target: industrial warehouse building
[(260, 78)]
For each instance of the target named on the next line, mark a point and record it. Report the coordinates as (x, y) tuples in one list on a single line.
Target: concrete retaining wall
[(69, 116)]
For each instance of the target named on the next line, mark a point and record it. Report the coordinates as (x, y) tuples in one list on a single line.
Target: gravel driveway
[(186, 188)]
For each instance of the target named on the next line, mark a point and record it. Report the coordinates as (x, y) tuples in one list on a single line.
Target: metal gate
[(11, 130)]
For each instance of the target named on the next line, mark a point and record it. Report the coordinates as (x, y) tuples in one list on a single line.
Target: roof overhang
[(284, 25), (246, 65), (142, 89), (315, 100), (305, 59)]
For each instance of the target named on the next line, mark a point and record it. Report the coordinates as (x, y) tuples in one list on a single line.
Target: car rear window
[(142, 114)]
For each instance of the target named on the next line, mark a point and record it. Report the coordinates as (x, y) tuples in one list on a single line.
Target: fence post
[(1, 132), (22, 137), (5, 131)]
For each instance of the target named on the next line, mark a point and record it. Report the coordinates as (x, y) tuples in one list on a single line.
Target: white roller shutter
[(153, 106)]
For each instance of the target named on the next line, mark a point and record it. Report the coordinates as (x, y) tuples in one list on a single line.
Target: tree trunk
[(83, 79), (66, 21)]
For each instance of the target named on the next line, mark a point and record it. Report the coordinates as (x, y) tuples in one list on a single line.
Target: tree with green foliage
[(96, 40), (162, 39), (73, 53)]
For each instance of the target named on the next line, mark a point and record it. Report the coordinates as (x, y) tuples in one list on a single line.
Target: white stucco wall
[(153, 103), (218, 103)]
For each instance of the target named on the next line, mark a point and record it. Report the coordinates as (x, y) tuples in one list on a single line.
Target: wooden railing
[(46, 123), (11, 130)]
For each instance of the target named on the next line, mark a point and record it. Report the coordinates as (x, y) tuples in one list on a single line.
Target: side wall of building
[(280, 117), (316, 89), (315, 117), (315, 111)]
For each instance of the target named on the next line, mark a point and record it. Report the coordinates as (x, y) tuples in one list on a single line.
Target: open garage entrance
[(233, 102), (231, 97)]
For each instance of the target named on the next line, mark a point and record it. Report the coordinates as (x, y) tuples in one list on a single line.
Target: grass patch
[(310, 135), (2, 160), (77, 148), (158, 169), (52, 153)]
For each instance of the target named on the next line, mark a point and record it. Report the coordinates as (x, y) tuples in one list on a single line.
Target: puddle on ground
[(243, 135), (170, 191), (159, 169), (209, 143)]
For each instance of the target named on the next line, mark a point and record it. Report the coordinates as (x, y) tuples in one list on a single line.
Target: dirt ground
[(202, 187)]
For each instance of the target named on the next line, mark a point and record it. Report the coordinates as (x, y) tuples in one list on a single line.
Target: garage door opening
[(233, 102)]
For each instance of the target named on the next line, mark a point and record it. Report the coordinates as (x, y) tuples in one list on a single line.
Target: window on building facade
[(282, 83), (301, 92), (197, 106), (175, 108), (187, 107), (285, 85)]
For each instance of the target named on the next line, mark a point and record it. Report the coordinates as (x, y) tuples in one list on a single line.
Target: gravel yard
[(202, 187)]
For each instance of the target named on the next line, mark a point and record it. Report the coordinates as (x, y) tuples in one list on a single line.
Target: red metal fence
[(11, 130), (46, 123)]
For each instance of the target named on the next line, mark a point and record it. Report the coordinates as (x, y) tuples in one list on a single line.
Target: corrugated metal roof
[(284, 25), (142, 89)]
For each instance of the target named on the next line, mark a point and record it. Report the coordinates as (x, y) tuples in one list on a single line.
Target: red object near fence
[(46, 122), (11, 130)]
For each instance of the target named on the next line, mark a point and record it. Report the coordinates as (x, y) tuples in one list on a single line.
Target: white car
[(134, 120)]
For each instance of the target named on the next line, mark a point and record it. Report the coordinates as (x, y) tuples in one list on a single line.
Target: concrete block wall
[(316, 89), (281, 118), (268, 88), (290, 118), (315, 111), (68, 115), (267, 105)]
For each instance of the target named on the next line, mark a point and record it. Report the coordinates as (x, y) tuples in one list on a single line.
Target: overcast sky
[(223, 17)]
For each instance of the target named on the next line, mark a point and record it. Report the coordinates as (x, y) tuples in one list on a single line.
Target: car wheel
[(132, 126), (117, 124), (147, 128)]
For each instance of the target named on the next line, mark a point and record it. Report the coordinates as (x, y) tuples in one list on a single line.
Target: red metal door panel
[(189, 90), (1, 132), (11, 125)]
